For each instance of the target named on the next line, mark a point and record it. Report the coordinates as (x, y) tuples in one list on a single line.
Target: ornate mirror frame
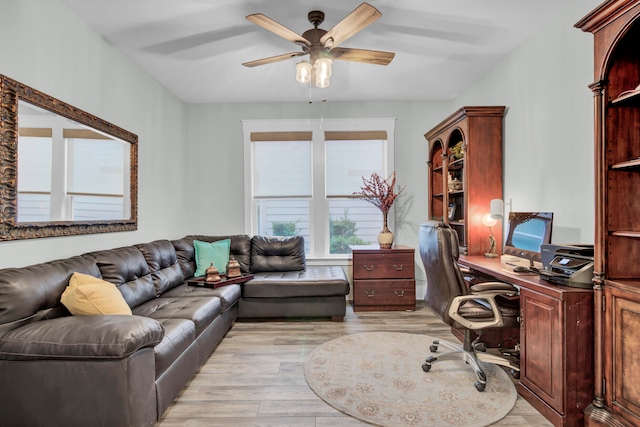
[(11, 92)]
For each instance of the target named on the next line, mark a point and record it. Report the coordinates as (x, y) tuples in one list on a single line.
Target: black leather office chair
[(474, 309)]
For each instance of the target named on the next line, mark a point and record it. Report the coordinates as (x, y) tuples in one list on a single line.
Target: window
[(95, 176), (300, 176), (69, 172)]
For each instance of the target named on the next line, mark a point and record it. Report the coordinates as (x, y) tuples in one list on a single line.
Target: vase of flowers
[(381, 193)]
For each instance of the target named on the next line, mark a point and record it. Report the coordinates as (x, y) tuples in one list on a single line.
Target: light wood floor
[(255, 377)]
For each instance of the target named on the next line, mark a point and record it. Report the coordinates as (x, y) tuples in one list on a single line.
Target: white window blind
[(282, 168), (34, 173), (347, 161), (96, 166)]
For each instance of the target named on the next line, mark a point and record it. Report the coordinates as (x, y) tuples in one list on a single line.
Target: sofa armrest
[(81, 337)]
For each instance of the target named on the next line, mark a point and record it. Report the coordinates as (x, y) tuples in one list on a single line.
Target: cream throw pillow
[(88, 295)]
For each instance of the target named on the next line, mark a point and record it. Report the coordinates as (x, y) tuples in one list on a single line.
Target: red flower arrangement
[(379, 192)]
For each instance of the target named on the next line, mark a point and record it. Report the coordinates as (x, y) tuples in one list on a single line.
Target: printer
[(569, 265)]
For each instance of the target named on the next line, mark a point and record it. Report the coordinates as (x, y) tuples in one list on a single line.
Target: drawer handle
[(399, 293), (369, 294), (398, 268), (370, 268)]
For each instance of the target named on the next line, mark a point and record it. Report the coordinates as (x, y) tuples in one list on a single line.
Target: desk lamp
[(489, 221), (497, 208)]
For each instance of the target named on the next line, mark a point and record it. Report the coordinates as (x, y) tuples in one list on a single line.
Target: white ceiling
[(195, 47)]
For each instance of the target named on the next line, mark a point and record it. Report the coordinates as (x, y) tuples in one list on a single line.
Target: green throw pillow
[(207, 253)]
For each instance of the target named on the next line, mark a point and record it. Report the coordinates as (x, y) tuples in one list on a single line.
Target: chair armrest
[(490, 298), (503, 288)]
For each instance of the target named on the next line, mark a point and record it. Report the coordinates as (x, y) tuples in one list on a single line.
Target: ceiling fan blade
[(272, 59), (361, 17), (362, 55), (276, 28)]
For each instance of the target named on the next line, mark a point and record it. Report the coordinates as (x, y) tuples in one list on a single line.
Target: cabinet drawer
[(383, 266), (384, 292)]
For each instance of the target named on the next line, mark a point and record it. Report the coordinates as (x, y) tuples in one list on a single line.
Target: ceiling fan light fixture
[(303, 71), (323, 67), (322, 81)]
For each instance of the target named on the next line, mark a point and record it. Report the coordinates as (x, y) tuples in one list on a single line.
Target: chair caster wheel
[(433, 348), (426, 367), (515, 374), (479, 386)]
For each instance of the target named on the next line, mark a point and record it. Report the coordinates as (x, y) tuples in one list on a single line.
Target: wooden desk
[(556, 342), (497, 269)]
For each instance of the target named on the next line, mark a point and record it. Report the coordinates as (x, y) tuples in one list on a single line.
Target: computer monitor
[(526, 232)]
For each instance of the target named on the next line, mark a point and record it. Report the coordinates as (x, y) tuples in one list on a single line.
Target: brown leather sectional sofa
[(119, 370)]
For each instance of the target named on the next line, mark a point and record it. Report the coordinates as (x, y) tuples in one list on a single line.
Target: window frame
[(319, 209)]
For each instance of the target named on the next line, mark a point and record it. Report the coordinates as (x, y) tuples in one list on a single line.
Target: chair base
[(471, 357)]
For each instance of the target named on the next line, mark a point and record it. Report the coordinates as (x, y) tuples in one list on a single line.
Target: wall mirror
[(62, 171)]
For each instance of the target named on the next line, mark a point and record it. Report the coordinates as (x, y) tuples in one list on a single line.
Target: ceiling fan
[(323, 46)]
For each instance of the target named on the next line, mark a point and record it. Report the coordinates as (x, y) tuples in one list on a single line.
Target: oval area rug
[(377, 377)]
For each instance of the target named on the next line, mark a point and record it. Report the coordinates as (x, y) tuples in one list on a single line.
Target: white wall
[(47, 47)]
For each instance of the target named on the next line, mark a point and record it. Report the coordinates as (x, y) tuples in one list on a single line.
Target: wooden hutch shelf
[(478, 131)]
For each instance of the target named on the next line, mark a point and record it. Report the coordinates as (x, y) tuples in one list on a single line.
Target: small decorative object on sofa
[(211, 252), (233, 268), (381, 193), (211, 274)]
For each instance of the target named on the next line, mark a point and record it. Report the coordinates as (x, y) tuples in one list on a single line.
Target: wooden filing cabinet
[(383, 279), (556, 351)]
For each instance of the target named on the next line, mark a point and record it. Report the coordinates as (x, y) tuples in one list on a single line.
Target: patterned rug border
[(377, 377)]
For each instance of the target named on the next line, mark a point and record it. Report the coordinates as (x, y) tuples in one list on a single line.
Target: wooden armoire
[(615, 25)]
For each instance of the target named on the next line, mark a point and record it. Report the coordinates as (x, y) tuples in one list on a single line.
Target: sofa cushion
[(216, 253), (240, 249), (85, 337), (228, 294), (312, 282), (87, 295), (127, 269), (202, 311), (28, 290), (178, 336), (163, 264), (270, 253)]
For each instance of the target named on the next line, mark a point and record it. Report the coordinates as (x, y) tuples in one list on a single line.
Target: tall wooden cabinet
[(475, 134), (615, 25)]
